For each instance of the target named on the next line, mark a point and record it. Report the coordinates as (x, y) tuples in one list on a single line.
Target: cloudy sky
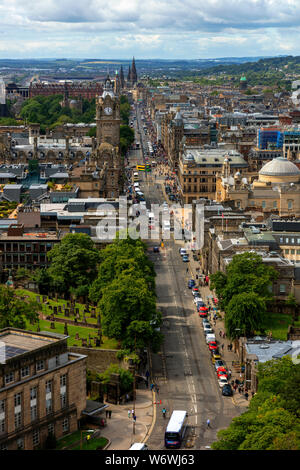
[(169, 29)]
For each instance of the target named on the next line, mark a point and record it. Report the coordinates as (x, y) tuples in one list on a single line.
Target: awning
[(93, 407)]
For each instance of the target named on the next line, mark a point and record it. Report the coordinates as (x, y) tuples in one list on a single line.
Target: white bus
[(176, 429)]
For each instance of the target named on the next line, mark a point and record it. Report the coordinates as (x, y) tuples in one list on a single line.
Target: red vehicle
[(203, 311), (222, 372), (212, 346)]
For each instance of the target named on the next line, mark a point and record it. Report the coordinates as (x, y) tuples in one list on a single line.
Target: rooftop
[(15, 342)]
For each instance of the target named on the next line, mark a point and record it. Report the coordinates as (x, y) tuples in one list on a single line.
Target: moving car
[(185, 258), (227, 390), (191, 283), (182, 251), (205, 321), (197, 299)]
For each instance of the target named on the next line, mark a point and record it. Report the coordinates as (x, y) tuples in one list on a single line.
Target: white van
[(210, 337), (139, 446)]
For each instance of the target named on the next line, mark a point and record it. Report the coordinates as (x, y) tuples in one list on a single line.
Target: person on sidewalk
[(164, 411), (208, 423), (129, 413), (109, 414)]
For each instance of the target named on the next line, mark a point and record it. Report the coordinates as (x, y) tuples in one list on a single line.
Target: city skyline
[(166, 29)]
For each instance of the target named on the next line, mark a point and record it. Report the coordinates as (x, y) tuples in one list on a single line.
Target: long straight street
[(183, 370)]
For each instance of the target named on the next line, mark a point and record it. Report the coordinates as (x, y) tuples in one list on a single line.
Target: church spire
[(121, 77), (133, 72)]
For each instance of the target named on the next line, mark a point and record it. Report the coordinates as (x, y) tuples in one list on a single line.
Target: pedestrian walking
[(127, 398), (208, 423), (134, 418), (157, 389), (222, 346), (224, 334), (246, 395), (240, 389), (109, 414), (151, 386), (129, 413), (106, 413), (164, 411), (235, 387)]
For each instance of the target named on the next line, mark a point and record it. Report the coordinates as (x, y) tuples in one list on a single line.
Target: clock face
[(108, 111)]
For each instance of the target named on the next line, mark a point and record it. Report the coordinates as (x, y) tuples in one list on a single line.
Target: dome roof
[(280, 167)]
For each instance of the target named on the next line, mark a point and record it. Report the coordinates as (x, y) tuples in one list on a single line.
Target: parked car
[(191, 283), (197, 299), (219, 363), (210, 337), (185, 258), (207, 328), (212, 345), (222, 381), (155, 249), (203, 310), (222, 372), (215, 356), (205, 321), (200, 303), (195, 292), (227, 390), (182, 251)]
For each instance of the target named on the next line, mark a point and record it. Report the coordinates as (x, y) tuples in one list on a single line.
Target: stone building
[(42, 388), (277, 189)]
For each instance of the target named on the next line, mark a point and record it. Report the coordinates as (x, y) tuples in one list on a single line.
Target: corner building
[(42, 388)]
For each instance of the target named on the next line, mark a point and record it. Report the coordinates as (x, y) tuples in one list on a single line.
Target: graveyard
[(81, 322)]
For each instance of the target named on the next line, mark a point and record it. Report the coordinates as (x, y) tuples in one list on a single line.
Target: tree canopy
[(73, 264), (14, 312), (272, 420)]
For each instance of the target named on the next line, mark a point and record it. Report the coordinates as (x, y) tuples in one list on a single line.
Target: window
[(65, 425), (263, 204), (51, 428), (9, 378), (282, 288), (20, 443), (33, 403), (48, 396), (292, 252), (290, 204), (2, 416), (36, 437), (286, 240), (292, 240), (287, 252), (298, 252), (40, 365), (275, 204), (25, 371)]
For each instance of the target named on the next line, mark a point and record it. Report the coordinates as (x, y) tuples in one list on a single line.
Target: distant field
[(100, 62)]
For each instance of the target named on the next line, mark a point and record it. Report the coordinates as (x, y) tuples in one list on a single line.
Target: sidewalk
[(227, 356), (119, 429)]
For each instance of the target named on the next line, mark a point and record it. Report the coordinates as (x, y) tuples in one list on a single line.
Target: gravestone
[(38, 299), (83, 342), (59, 309), (52, 325), (77, 336), (93, 314), (55, 310), (66, 329), (67, 312)]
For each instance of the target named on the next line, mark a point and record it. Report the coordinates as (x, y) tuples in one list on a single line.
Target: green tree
[(126, 377), (125, 299), (14, 312), (245, 273), (73, 264), (244, 315)]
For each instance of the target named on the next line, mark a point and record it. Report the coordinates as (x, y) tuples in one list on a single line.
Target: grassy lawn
[(278, 323), (45, 308), (82, 331), (91, 444), (72, 330)]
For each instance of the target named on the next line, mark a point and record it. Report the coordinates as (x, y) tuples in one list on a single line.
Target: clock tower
[(108, 116)]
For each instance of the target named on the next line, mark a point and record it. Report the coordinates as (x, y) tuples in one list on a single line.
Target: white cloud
[(181, 28)]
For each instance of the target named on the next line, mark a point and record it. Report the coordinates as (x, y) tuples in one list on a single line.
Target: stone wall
[(293, 333), (99, 359)]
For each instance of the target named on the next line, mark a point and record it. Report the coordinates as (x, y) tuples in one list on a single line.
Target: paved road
[(183, 370)]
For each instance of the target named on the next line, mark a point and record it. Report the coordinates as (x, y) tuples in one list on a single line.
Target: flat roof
[(14, 342)]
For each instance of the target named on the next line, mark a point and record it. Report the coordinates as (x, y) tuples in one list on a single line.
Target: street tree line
[(120, 279)]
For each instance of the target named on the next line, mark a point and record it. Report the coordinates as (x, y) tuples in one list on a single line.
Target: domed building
[(276, 190)]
